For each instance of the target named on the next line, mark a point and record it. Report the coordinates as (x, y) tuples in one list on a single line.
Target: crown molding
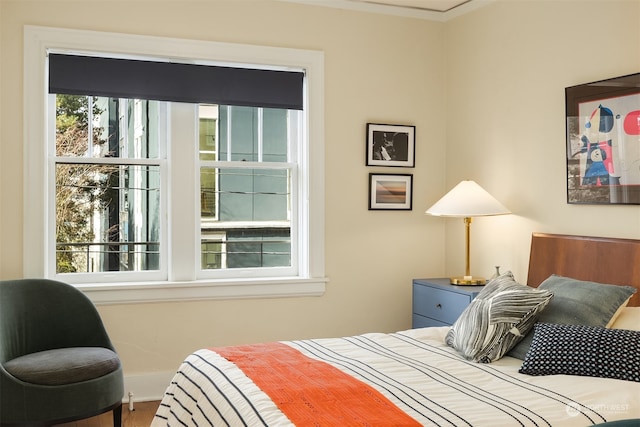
[(407, 12)]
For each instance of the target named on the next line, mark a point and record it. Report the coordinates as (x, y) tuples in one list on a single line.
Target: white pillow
[(629, 318)]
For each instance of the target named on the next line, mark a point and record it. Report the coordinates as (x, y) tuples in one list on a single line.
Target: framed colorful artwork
[(390, 191), (391, 145), (603, 141)]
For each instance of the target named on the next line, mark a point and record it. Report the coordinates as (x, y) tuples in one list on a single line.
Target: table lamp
[(466, 200)]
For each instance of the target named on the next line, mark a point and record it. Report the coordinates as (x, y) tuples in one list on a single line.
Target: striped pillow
[(502, 313)]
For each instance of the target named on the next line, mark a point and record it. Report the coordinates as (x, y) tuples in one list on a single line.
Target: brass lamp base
[(468, 281)]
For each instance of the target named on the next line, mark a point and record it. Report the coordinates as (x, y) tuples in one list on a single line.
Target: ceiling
[(425, 5), (435, 10)]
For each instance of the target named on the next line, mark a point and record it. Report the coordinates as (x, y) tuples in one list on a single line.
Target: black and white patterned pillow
[(583, 350), (502, 313)]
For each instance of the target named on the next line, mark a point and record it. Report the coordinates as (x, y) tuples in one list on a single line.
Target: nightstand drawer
[(439, 304), (425, 322)]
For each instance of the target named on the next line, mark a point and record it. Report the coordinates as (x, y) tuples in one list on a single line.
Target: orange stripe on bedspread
[(312, 392)]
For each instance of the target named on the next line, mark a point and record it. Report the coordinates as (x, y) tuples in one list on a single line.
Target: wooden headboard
[(599, 259)]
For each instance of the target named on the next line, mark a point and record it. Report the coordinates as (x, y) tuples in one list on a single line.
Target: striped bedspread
[(413, 370)]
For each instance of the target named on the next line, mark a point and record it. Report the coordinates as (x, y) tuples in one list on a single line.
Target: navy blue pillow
[(583, 350)]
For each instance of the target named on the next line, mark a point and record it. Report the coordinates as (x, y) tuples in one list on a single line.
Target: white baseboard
[(146, 387)]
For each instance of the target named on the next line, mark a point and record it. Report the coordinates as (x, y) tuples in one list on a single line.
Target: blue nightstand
[(436, 302)]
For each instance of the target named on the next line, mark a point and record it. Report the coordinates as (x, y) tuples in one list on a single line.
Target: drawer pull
[(438, 306)]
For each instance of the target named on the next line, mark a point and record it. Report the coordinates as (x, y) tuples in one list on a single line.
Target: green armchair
[(57, 363)]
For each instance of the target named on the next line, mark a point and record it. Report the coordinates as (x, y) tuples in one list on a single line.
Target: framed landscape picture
[(390, 191)]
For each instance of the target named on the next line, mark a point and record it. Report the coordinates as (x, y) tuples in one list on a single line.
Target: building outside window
[(106, 206), (108, 214), (246, 211)]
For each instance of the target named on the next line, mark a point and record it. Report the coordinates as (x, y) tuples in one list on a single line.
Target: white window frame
[(160, 162), (182, 277), (293, 164)]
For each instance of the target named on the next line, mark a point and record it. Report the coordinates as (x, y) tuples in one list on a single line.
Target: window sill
[(129, 293)]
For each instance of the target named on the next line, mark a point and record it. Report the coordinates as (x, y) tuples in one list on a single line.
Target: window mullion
[(260, 134), (184, 229), (227, 140)]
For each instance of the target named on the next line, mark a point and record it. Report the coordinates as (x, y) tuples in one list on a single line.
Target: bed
[(570, 358)]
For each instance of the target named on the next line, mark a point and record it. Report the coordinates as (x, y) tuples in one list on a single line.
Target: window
[(248, 187), (140, 196), (107, 161)]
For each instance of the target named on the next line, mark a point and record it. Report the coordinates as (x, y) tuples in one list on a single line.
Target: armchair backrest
[(42, 314)]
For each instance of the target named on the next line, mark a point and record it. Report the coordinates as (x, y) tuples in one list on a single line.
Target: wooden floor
[(141, 416)]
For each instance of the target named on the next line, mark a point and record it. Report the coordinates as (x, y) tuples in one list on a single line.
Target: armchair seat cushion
[(64, 365)]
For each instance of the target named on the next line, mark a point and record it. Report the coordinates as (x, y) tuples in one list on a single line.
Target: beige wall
[(377, 69), (507, 66), (485, 91)]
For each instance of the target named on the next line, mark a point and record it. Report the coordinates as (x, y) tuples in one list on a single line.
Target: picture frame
[(390, 191), (391, 145), (603, 141)]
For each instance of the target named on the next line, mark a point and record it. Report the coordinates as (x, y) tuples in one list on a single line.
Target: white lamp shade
[(467, 199)]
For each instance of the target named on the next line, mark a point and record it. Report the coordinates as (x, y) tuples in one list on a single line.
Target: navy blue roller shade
[(167, 81)]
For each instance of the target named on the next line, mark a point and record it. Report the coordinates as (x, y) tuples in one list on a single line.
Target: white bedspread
[(416, 371)]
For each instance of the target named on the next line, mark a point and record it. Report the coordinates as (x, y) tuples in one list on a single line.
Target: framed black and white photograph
[(391, 145), (390, 192)]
